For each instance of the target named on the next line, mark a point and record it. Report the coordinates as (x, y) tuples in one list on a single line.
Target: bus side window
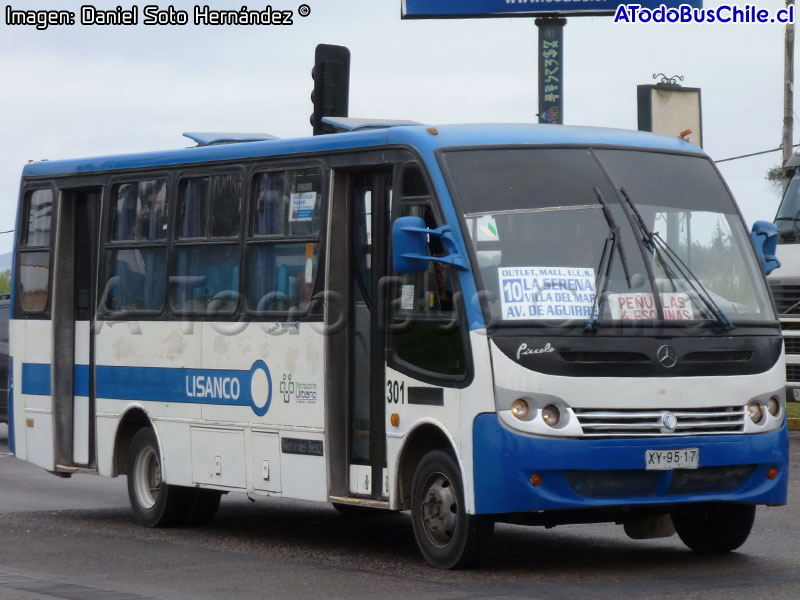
[(136, 253), (282, 251), (205, 262), (34, 262), (427, 334)]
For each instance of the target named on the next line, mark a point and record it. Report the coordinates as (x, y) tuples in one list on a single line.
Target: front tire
[(154, 503), (447, 536), (714, 528)]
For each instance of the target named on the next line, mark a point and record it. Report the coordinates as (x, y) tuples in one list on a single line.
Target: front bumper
[(573, 470)]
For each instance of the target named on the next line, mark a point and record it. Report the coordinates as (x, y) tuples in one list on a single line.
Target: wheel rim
[(147, 478), (439, 510)]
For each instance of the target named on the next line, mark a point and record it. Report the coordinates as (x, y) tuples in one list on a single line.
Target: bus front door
[(358, 245)]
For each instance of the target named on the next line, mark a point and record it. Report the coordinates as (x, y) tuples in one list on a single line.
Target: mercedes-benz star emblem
[(669, 421), (667, 356)]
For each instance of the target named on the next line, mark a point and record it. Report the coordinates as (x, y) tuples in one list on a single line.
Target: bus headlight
[(519, 408), (551, 415), (755, 411), (774, 406)]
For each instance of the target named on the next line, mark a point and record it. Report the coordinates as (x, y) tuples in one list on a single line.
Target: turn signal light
[(394, 419), (536, 480), (772, 473)]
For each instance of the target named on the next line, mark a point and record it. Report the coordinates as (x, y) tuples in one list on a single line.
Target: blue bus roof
[(416, 136)]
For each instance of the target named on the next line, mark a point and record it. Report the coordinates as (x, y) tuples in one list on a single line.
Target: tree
[(5, 282), (777, 178)]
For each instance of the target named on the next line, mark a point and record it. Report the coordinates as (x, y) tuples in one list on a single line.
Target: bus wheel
[(154, 503), (447, 536), (203, 505), (713, 528)]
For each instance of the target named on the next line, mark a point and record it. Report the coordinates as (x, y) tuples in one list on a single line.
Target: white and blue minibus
[(785, 284), (475, 323)]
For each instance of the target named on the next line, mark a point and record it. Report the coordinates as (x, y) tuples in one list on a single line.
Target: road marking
[(59, 589)]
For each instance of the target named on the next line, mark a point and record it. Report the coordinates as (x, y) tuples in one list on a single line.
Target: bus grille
[(792, 345), (613, 484), (644, 422), (709, 479), (792, 373), (641, 483), (787, 298)]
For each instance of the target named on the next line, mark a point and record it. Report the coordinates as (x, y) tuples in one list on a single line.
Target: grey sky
[(86, 91)]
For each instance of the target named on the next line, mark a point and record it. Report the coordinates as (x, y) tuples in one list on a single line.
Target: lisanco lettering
[(202, 386), (523, 350)]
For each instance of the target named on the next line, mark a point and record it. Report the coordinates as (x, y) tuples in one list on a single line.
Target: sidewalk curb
[(794, 424)]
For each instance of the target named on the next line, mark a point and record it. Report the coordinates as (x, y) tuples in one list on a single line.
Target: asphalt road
[(76, 540)]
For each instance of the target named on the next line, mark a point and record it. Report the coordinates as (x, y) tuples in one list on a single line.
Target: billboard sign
[(671, 110), (460, 9)]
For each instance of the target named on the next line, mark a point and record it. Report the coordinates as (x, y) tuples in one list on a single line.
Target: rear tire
[(714, 528), (447, 536), (154, 503)]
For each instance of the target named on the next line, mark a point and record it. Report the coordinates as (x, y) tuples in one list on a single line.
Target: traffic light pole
[(788, 94), (331, 95), (551, 69)]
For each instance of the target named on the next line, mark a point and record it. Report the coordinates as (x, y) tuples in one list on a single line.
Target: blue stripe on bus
[(222, 387), (152, 384), (36, 379)]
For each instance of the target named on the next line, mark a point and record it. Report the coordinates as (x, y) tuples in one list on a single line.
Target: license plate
[(666, 460)]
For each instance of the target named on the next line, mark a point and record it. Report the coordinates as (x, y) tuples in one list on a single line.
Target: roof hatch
[(356, 124), (211, 138)]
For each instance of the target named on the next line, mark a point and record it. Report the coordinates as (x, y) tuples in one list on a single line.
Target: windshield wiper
[(602, 280), (656, 244), (795, 227), (613, 242)]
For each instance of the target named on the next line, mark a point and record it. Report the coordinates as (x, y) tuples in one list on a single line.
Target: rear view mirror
[(765, 239), (410, 246)]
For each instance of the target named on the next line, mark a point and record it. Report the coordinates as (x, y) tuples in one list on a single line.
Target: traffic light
[(331, 74)]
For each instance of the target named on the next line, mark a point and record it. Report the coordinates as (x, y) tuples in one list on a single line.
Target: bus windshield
[(788, 219), (541, 234)]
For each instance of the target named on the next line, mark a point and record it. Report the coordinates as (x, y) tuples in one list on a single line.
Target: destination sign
[(455, 9), (546, 292)]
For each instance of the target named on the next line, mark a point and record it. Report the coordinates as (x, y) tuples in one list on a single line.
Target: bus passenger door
[(355, 420), (369, 195), (73, 315)]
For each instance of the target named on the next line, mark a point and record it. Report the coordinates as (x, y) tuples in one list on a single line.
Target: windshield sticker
[(487, 229), (631, 307), (302, 206), (546, 292), (407, 298)]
